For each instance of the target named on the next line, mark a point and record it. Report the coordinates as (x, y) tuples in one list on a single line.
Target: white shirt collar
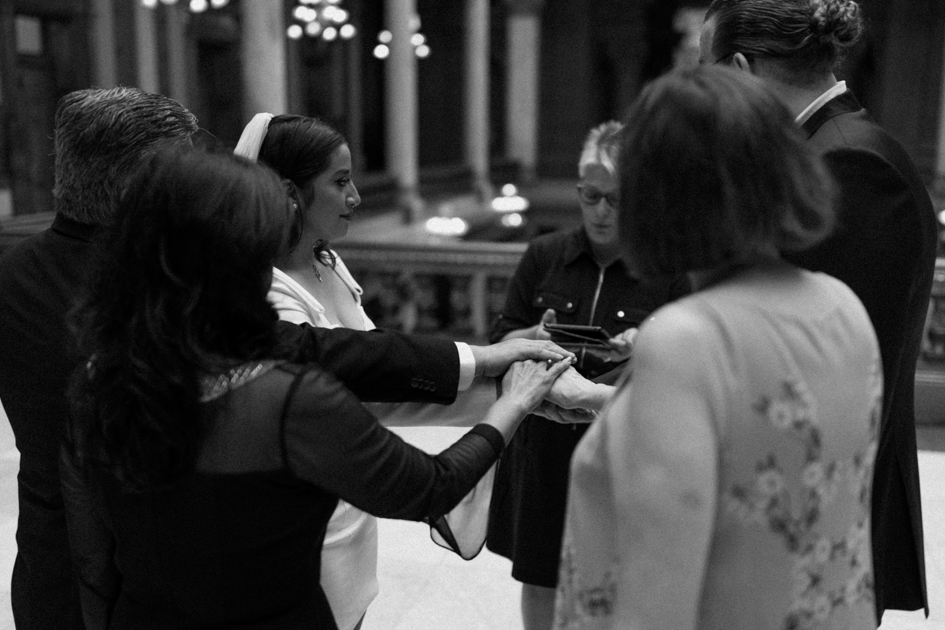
[(819, 102)]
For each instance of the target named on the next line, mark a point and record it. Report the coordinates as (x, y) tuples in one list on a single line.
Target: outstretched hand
[(573, 391), (494, 360)]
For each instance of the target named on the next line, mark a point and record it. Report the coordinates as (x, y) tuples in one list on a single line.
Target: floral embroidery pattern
[(793, 516), (577, 604)]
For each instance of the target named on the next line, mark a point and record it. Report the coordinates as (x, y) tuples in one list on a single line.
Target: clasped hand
[(494, 360), (567, 398), (573, 399), (528, 382)]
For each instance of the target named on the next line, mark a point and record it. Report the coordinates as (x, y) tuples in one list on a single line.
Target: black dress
[(526, 515), (237, 544)]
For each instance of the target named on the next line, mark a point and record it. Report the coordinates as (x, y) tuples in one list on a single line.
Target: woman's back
[(796, 402), (237, 543), (783, 368)]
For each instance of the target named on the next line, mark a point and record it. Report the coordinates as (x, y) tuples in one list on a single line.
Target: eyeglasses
[(592, 196)]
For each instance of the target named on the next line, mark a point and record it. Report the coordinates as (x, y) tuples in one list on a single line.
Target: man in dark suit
[(883, 248), (100, 136)]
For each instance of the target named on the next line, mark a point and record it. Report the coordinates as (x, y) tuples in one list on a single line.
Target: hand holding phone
[(573, 334)]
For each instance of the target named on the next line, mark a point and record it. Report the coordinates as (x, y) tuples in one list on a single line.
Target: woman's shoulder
[(675, 331), (285, 387), (283, 285), (292, 301), (306, 380)]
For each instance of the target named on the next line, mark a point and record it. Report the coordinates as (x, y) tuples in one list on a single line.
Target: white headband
[(252, 137)]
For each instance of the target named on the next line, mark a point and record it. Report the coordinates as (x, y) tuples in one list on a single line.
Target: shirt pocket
[(625, 317), (562, 304)]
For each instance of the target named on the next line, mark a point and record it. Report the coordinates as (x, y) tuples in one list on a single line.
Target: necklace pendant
[(316, 258)]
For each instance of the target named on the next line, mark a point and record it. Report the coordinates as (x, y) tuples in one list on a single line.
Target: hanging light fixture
[(320, 18), (419, 41), (195, 6)]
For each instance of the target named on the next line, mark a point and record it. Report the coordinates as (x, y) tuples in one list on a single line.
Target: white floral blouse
[(781, 374)]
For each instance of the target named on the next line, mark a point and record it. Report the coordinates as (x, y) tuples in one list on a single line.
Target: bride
[(312, 285)]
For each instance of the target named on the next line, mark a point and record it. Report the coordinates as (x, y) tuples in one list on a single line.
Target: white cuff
[(467, 366)]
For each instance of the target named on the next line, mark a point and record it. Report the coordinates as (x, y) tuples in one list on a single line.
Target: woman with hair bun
[(883, 247)]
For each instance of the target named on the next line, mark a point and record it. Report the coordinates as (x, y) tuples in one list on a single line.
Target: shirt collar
[(72, 228), (578, 244), (820, 101)]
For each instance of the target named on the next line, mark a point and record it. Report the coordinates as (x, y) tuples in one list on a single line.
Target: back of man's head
[(101, 136)]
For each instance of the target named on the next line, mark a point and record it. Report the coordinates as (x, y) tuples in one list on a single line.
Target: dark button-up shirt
[(558, 271)]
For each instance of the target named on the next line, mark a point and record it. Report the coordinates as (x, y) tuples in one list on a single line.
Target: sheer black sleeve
[(330, 440)]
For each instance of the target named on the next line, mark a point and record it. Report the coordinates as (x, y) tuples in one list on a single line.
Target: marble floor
[(425, 587)]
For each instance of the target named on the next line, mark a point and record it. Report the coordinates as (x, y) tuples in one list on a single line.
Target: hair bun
[(836, 22)]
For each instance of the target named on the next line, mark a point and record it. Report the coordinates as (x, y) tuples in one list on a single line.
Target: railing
[(933, 341), (456, 289), (453, 288)]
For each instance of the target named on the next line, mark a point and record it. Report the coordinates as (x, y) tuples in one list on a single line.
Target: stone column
[(355, 131), (177, 51), (401, 109), (477, 96), (146, 49), (102, 44), (524, 48), (940, 156), (263, 42)]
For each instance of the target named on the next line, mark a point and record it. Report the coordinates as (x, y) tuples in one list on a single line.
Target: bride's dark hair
[(178, 292), (299, 149)]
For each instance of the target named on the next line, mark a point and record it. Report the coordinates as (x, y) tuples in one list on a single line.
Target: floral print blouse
[(789, 368)]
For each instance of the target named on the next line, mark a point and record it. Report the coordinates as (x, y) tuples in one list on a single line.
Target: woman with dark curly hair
[(883, 248), (200, 473)]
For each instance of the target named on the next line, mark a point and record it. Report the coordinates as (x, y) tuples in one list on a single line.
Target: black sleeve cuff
[(492, 435)]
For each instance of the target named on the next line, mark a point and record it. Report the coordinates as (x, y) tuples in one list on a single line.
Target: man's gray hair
[(101, 136)]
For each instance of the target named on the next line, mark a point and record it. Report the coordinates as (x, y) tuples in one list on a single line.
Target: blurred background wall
[(494, 90), (444, 104)]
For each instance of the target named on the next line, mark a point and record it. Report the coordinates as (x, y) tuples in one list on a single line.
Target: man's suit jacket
[(39, 281), (884, 249)]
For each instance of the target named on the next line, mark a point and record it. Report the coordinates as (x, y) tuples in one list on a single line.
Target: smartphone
[(569, 334)]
